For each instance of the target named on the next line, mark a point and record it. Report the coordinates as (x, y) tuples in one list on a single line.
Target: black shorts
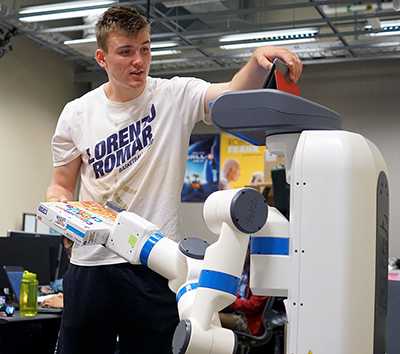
[(127, 301)]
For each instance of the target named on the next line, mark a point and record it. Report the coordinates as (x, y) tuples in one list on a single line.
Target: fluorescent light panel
[(292, 33), (71, 5), (153, 45), (63, 15), (258, 39), (79, 41), (174, 3), (156, 45), (165, 52), (262, 43), (388, 33), (390, 28), (84, 45)]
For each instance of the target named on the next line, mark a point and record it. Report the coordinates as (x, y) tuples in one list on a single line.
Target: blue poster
[(202, 168)]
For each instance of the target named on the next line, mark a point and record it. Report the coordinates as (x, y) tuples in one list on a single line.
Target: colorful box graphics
[(82, 222)]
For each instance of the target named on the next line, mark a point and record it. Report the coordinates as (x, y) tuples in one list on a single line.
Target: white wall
[(367, 96), (35, 84)]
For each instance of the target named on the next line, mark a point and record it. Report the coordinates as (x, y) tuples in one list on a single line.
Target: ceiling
[(343, 31)]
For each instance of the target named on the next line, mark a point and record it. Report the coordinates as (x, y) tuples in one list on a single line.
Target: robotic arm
[(204, 277)]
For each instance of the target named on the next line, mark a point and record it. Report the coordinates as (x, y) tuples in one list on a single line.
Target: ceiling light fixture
[(156, 45), (389, 28), (71, 5), (292, 33), (63, 15), (174, 3), (87, 46), (258, 39), (260, 44), (157, 53), (153, 45), (80, 41)]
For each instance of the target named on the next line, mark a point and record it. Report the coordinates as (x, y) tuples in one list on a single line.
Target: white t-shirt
[(134, 153)]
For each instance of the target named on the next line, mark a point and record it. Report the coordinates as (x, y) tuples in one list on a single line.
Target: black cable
[(148, 10)]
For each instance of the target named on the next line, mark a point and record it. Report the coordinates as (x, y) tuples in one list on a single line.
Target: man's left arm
[(255, 72)]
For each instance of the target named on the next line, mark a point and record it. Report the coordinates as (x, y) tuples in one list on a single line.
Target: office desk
[(33, 335)]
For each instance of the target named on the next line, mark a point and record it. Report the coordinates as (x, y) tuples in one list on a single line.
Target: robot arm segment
[(270, 263), (139, 242), (234, 215), (129, 234)]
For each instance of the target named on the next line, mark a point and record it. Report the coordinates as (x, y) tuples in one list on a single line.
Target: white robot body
[(338, 246), (270, 262), (330, 260)]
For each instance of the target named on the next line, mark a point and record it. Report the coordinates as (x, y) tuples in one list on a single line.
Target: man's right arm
[(62, 188)]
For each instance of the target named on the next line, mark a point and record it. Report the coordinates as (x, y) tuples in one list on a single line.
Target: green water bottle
[(29, 295)]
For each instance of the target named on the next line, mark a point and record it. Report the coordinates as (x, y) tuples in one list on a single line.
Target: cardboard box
[(84, 223)]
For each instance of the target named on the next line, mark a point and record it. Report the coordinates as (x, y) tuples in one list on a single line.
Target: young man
[(128, 141)]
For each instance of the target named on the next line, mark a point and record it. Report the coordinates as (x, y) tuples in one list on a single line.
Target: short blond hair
[(122, 20)]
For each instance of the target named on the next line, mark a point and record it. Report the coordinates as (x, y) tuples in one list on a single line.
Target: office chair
[(249, 341)]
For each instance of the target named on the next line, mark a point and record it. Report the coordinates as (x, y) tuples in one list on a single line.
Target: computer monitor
[(31, 253), (58, 259), (281, 190)]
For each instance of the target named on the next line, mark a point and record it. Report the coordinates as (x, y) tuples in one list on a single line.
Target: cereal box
[(84, 223)]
